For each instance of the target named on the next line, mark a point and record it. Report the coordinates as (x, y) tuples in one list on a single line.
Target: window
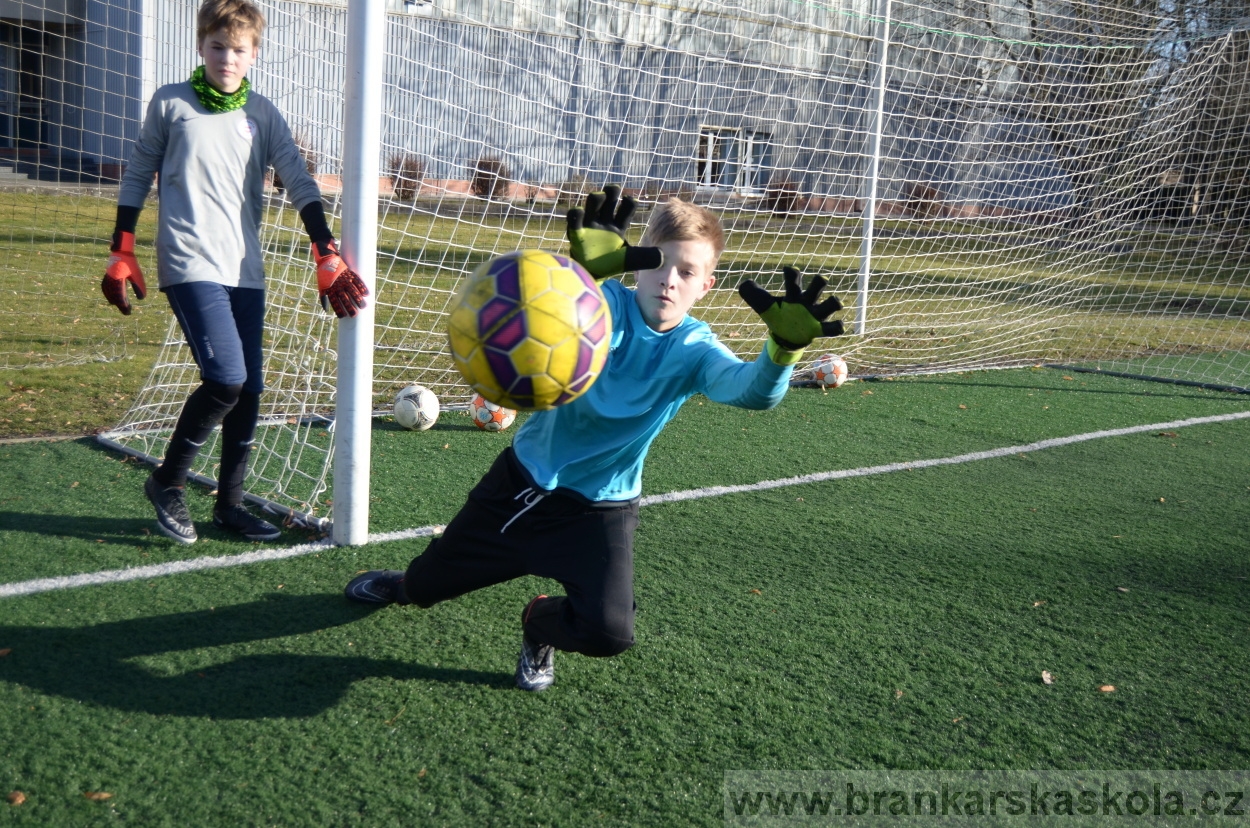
[(756, 155), (733, 159), (715, 146)]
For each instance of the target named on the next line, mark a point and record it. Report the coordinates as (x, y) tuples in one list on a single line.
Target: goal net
[(985, 184)]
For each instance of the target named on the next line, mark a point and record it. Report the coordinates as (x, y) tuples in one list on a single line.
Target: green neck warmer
[(214, 100)]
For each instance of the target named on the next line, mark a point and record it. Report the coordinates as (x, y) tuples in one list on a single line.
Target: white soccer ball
[(490, 417), (416, 408), (829, 371)]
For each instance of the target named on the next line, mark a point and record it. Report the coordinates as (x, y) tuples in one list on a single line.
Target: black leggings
[(508, 528)]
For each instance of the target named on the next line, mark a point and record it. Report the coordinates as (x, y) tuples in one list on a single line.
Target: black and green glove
[(597, 235), (795, 320)]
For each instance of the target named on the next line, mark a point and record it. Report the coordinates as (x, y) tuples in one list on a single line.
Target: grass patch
[(899, 621), (946, 294)]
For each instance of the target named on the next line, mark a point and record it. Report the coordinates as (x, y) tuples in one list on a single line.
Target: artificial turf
[(898, 620)]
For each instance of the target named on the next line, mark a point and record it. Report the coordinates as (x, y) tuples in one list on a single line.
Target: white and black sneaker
[(242, 522), (172, 517), (536, 668), (378, 586)]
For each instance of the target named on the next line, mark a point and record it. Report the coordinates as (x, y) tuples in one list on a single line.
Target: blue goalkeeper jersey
[(595, 445)]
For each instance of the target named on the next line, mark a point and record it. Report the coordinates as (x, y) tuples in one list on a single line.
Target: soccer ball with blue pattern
[(416, 408), (530, 330)]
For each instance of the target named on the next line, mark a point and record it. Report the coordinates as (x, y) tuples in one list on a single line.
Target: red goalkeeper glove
[(341, 289), (123, 267)]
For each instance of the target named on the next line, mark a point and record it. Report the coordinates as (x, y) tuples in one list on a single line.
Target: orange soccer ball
[(829, 371), (490, 417)]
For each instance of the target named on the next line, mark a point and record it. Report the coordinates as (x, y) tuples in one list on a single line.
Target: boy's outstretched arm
[(341, 289), (793, 320), (597, 235), (123, 267)]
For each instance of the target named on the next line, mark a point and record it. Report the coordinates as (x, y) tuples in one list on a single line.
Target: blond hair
[(234, 17), (677, 220)]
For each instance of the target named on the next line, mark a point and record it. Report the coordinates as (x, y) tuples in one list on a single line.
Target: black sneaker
[(242, 522), (172, 517), (378, 586), (536, 668)]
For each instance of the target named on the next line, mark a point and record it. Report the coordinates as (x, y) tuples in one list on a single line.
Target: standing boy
[(562, 501), (211, 139)]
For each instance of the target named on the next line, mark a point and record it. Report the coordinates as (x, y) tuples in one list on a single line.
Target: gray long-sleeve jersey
[(211, 185)]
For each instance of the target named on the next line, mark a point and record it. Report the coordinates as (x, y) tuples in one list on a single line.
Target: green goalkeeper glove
[(794, 321), (597, 235)]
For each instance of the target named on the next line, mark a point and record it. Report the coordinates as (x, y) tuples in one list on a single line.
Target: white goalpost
[(985, 184), (362, 113)]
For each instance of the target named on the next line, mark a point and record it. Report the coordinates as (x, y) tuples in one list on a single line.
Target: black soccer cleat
[(536, 668), (242, 522), (378, 586), (172, 517)]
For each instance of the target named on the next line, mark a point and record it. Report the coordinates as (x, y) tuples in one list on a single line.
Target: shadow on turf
[(98, 664), (1164, 391), (129, 531), (139, 533), (389, 425)]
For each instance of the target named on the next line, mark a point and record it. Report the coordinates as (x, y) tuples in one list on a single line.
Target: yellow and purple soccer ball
[(530, 330)]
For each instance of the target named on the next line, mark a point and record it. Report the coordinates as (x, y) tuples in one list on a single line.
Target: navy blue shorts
[(224, 327)]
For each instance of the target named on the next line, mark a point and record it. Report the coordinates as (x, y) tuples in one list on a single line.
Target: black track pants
[(507, 529)]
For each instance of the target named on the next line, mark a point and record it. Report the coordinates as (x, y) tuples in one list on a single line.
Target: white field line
[(139, 573), (819, 477)]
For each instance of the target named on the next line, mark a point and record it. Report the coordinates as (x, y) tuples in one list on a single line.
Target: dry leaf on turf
[(97, 796), (5, 651), (1121, 589), (1047, 678), (898, 694), (756, 592), (421, 773), (1167, 433), (1038, 603), (17, 798), (1107, 688)]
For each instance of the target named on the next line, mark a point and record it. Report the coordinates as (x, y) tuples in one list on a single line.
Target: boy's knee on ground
[(608, 629), (606, 643), (601, 634)]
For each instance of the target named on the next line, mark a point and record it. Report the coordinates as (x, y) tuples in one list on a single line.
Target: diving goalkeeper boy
[(562, 501)]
